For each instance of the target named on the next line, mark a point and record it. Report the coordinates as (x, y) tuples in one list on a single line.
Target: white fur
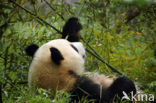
[(100, 79), (80, 48)]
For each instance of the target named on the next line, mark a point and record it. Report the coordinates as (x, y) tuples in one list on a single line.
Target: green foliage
[(140, 3), (127, 47)]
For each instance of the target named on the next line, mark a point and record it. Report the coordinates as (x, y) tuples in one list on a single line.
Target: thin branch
[(103, 61), (132, 13), (54, 10), (95, 54), (36, 16)]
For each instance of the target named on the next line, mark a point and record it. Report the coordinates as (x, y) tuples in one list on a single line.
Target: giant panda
[(59, 65)]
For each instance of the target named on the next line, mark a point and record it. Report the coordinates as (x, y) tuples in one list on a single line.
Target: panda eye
[(74, 48), (84, 56)]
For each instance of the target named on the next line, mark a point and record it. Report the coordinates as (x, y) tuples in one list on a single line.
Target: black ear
[(31, 49), (56, 56)]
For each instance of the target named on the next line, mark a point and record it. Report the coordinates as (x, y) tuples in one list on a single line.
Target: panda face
[(55, 59), (79, 48), (60, 53)]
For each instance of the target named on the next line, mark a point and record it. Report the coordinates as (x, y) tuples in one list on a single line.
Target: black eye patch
[(74, 48)]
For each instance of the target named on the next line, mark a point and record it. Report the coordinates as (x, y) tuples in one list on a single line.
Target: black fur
[(71, 29), (31, 49), (87, 88), (73, 74), (119, 85), (74, 48), (153, 101), (56, 56)]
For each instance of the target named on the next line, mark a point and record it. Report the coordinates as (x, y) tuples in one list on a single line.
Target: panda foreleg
[(86, 88)]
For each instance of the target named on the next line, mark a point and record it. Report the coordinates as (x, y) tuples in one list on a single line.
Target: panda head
[(58, 55)]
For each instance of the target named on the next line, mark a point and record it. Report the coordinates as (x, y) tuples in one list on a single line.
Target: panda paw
[(122, 84)]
